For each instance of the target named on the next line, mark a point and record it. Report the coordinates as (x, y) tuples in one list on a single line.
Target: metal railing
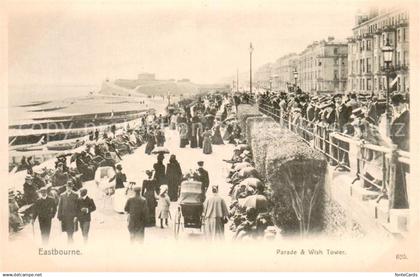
[(373, 165)]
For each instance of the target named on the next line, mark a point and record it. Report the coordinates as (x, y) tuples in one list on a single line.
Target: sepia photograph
[(209, 136)]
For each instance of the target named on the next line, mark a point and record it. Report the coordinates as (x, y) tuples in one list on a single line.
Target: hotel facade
[(366, 72), (321, 68)]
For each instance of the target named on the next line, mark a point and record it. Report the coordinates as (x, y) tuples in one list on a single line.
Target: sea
[(69, 99), (28, 94)]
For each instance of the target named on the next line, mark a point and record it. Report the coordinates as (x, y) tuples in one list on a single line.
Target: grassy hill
[(156, 87)]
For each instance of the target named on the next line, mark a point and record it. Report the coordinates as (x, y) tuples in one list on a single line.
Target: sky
[(82, 43)]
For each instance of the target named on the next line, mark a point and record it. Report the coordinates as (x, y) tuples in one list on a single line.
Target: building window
[(335, 74), (399, 35), (335, 51), (336, 61), (403, 83), (369, 84), (368, 45)]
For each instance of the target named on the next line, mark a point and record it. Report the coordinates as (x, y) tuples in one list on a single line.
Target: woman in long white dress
[(163, 206)]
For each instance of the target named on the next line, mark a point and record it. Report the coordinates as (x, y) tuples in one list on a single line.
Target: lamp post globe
[(251, 49), (295, 75), (387, 52)]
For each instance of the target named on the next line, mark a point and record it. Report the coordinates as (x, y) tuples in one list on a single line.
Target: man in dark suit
[(237, 101), (203, 177), (400, 135), (85, 206), (400, 126), (342, 113), (29, 190), (67, 211), (44, 209), (137, 210), (342, 118)]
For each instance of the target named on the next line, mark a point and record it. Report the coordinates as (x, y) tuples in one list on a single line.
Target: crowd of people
[(351, 114), (59, 192), (360, 117), (199, 123), (70, 170), (249, 207)]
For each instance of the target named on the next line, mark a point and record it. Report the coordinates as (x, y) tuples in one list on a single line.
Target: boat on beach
[(65, 146), (34, 104), (27, 149)]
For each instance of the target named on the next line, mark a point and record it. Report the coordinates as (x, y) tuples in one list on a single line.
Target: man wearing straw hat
[(44, 209), (85, 206), (137, 210)]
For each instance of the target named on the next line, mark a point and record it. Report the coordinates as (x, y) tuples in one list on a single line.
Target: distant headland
[(147, 85)]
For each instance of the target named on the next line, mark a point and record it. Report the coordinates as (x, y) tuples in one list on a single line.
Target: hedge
[(253, 122), (295, 173), (244, 112), (261, 137)]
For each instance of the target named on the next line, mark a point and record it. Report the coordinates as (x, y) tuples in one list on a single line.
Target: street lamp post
[(237, 80), (388, 51), (295, 75), (250, 67)]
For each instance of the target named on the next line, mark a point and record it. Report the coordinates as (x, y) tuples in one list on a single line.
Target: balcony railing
[(401, 67)]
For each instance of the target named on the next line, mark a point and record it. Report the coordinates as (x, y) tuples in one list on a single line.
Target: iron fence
[(376, 167)]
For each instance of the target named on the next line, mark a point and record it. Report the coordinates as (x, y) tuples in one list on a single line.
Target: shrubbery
[(296, 174), (244, 112), (294, 171)]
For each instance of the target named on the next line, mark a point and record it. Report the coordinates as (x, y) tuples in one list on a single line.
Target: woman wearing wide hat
[(174, 177), (159, 169), (149, 191), (207, 149), (151, 141), (217, 136)]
